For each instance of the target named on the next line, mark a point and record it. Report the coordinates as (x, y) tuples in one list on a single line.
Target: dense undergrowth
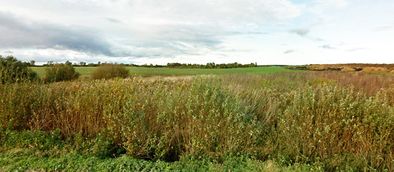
[(293, 118)]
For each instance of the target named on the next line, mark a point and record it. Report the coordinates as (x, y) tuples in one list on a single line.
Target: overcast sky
[(199, 31)]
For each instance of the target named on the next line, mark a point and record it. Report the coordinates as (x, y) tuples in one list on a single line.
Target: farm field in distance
[(238, 119), (164, 71)]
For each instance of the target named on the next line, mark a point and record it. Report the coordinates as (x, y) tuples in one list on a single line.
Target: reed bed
[(293, 117)]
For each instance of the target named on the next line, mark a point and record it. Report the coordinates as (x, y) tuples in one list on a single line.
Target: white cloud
[(198, 31), (143, 28), (214, 11)]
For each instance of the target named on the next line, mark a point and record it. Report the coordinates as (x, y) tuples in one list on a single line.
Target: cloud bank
[(191, 31)]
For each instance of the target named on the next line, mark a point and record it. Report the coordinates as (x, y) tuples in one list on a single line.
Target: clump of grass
[(108, 71)]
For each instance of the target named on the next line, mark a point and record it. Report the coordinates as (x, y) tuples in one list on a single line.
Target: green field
[(147, 71)]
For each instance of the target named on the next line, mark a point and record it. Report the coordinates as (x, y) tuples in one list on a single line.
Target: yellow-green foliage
[(375, 70), (337, 126), (286, 116), (108, 71)]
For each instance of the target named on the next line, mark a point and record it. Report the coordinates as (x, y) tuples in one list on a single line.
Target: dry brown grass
[(367, 83), (348, 69), (367, 68), (375, 70)]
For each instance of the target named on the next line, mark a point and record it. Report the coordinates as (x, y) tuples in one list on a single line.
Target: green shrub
[(60, 72), (108, 71), (30, 139), (12, 70)]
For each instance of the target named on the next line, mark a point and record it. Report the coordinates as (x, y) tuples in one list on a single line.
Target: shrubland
[(318, 119)]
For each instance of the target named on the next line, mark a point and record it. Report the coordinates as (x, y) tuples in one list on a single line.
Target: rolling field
[(146, 71)]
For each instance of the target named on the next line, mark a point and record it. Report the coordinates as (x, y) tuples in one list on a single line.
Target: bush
[(109, 71), (12, 70), (60, 72)]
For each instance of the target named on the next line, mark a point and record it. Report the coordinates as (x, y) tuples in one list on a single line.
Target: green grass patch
[(147, 71), (27, 160)]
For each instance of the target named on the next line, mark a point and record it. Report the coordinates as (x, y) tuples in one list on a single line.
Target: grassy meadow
[(266, 119), (164, 71)]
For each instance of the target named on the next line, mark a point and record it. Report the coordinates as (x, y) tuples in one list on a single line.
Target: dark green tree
[(60, 72), (13, 70)]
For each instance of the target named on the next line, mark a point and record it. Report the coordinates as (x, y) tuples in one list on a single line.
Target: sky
[(198, 31)]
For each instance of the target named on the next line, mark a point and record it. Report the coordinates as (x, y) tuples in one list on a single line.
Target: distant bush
[(60, 72), (13, 70), (108, 71), (348, 69), (374, 69)]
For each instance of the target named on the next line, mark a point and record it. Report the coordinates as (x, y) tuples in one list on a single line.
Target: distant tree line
[(84, 64), (170, 65), (210, 65), (14, 71)]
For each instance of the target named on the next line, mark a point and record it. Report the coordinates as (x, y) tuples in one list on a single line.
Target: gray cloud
[(170, 40), (133, 28), (113, 20), (175, 40), (306, 33), (326, 46), (300, 32), (21, 33), (8, 52), (288, 51)]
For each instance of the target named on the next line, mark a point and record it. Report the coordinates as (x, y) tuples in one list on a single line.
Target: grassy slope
[(145, 71)]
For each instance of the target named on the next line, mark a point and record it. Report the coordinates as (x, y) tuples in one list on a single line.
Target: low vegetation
[(12, 71), (364, 68), (323, 121), (108, 71), (86, 72), (60, 72)]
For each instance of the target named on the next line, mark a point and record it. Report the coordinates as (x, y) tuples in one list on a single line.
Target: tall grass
[(292, 117), (108, 71)]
